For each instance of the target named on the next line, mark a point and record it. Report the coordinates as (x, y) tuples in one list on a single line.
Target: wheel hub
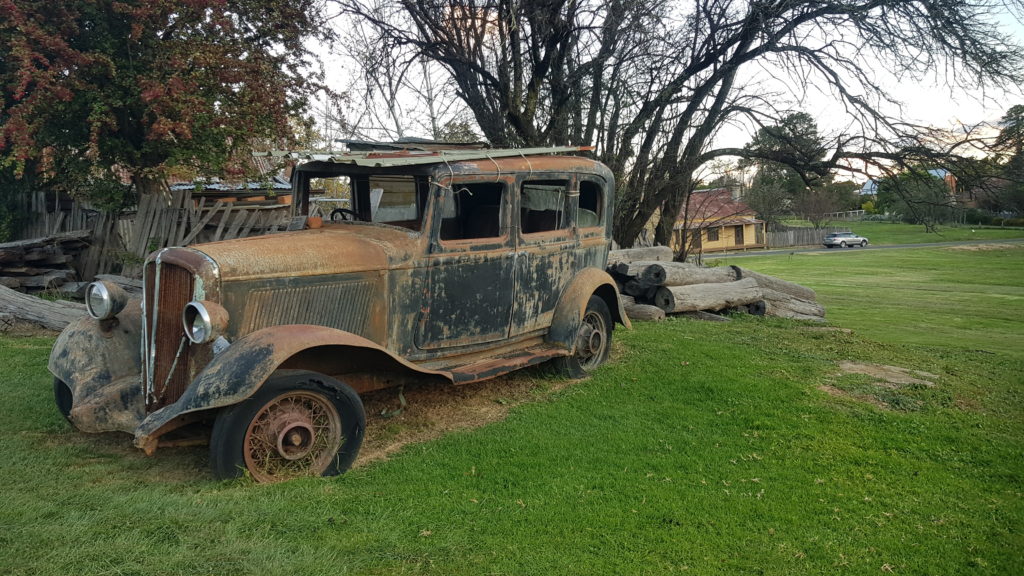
[(295, 440)]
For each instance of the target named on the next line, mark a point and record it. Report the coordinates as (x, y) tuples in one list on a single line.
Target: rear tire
[(298, 424), (593, 341)]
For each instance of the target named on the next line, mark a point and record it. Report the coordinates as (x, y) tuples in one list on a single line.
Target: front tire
[(842, 244), (298, 424), (593, 341), (863, 243), (63, 398)]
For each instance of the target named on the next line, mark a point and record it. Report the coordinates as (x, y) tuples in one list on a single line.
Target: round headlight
[(203, 321), (103, 300)]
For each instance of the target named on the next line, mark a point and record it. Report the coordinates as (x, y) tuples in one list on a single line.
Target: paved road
[(801, 250)]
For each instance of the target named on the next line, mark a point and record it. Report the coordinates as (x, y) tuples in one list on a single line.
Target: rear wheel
[(298, 424), (593, 341)]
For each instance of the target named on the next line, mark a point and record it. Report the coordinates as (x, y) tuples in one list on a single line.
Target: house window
[(713, 234)]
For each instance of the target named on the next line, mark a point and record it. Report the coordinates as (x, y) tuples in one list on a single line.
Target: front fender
[(100, 362), (572, 305), (238, 372)]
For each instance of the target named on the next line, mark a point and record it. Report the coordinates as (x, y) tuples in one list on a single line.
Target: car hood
[(333, 249)]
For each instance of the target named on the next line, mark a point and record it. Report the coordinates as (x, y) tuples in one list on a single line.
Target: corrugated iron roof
[(275, 183), (390, 159)]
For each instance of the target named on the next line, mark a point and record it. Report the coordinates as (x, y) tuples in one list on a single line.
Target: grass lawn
[(735, 448), (888, 233), (897, 233)]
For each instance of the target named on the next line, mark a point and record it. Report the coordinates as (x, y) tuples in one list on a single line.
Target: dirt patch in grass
[(984, 247), (431, 411), (889, 376), (837, 393), (828, 329), (885, 387)]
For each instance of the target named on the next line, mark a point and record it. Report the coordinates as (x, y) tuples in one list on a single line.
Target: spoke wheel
[(298, 424), (295, 434), (593, 341)]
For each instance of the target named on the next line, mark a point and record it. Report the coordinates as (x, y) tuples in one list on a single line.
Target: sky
[(929, 102)]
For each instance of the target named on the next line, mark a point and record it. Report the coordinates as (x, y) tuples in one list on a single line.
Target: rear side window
[(543, 205), (591, 212)]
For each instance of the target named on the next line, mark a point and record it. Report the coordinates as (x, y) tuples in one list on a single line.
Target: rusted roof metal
[(397, 158)]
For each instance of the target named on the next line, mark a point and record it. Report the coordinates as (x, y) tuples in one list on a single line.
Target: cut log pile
[(41, 264), (649, 279)]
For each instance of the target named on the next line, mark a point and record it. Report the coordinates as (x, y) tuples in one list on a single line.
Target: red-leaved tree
[(100, 90)]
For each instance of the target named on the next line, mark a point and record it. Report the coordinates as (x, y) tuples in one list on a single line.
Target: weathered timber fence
[(800, 236)]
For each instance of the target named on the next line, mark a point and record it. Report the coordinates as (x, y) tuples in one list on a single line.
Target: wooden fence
[(800, 236), (120, 242)]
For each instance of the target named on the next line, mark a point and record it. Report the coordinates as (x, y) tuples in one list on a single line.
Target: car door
[(470, 269), (546, 248)]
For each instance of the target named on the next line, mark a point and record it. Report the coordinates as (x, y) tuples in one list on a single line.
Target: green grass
[(888, 233), (700, 449), (948, 297)]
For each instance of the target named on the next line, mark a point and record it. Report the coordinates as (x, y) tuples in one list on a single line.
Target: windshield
[(395, 199)]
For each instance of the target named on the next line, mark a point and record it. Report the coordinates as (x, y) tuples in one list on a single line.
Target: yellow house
[(714, 221)]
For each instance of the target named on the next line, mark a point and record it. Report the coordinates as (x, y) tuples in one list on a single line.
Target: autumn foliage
[(142, 86)]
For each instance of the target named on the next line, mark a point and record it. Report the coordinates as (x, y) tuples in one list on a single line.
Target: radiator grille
[(345, 306), (166, 379)]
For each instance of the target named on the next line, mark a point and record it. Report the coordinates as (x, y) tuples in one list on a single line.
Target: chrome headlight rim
[(104, 300), (197, 322)]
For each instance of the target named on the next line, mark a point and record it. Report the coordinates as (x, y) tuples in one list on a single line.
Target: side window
[(472, 210), (543, 205), (591, 212), (393, 199)]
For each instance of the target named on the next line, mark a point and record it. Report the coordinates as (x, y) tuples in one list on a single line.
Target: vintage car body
[(466, 265)]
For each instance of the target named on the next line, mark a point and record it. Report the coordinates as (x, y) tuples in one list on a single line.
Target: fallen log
[(705, 316), (777, 284), (680, 274), (639, 289), (644, 312), (712, 297), (650, 273), (133, 286), (786, 306), (52, 314), (652, 254)]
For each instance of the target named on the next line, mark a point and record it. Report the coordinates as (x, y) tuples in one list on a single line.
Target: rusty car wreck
[(452, 266)]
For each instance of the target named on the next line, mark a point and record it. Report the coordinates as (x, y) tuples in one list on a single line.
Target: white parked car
[(844, 239)]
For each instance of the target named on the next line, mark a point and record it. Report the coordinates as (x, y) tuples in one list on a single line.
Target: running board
[(493, 367)]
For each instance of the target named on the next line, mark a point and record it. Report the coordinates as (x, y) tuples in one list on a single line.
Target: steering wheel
[(342, 214)]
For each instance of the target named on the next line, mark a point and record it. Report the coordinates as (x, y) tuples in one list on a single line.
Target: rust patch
[(892, 377)]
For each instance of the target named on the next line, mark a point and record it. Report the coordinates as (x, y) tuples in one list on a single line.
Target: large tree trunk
[(54, 315), (707, 296)]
